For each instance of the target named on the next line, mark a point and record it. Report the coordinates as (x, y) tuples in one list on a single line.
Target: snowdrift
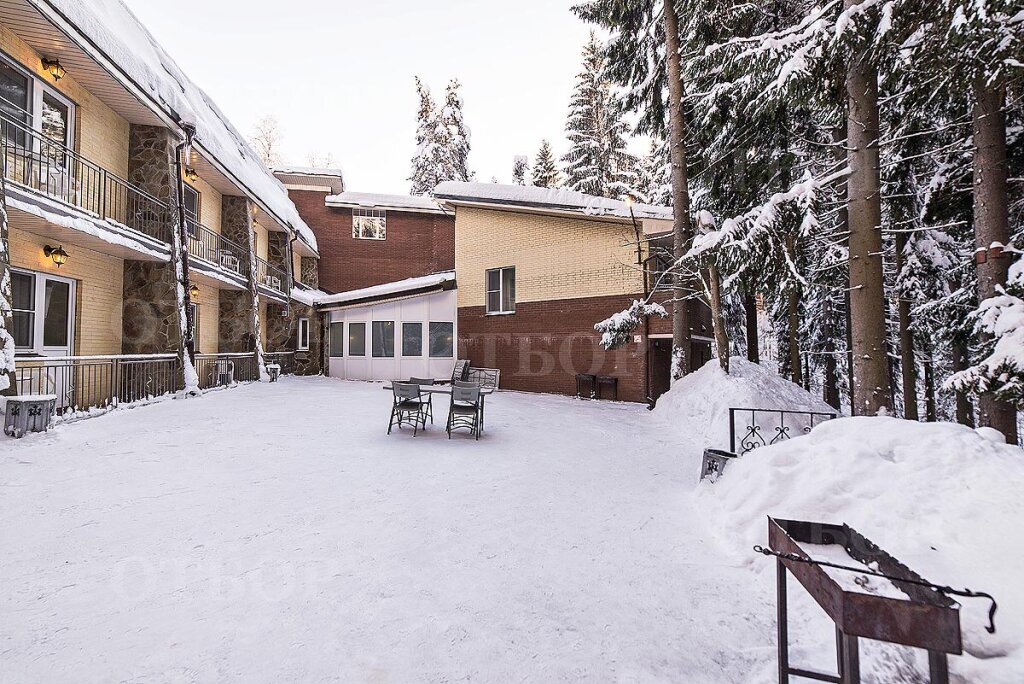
[(943, 498), (696, 409)]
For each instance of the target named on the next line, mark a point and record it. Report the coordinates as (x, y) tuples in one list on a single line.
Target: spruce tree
[(427, 162), (598, 162), (455, 135), (545, 168)]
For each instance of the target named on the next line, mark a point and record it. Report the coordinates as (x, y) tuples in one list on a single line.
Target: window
[(191, 202), (337, 340), (357, 339), (442, 340), (412, 339), (42, 312), (383, 339), (303, 334), (24, 305), (15, 94), (501, 290), (32, 103), (369, 224)]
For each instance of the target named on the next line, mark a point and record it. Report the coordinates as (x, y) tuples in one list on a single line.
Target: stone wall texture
[(310, 274), (283, 335), (150, 309), (238, 309), (235, 332)]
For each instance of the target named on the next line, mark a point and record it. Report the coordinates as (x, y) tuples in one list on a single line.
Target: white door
[(44, 328)]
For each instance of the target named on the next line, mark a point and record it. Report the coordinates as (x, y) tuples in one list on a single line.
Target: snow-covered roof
[(389, 289), (552, 199), (131, 49), (310, 177), (307, 295), (370, 200)]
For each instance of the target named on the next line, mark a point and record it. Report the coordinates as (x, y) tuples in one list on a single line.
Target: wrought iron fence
[(270, 276), (47, 166), (205, 244), (219, 370), (81, 383), (753, 428), (286, 360)]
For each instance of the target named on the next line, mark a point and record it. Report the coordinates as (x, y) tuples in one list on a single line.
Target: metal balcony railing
[(286, 360), (271, 276), (216, 249), (46, 166), (81, 383), (219, 370)]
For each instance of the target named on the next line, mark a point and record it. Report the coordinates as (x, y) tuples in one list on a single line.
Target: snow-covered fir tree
[(545, 168), (598, 161), (427, 162), (455, 137), (520, 167), (653, 182)]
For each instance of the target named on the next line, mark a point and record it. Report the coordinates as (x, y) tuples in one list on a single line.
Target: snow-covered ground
[(275, 532)]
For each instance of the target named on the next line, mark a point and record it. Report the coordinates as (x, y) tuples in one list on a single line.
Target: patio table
[(447, 389)]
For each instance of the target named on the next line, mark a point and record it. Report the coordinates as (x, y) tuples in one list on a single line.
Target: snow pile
[(696, 409), (122, 39), (940, 497), (397, 287), (553, 198)]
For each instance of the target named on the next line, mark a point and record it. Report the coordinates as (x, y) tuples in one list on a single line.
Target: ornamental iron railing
[(270, 276), (221, 370), (47, 166), (750, 429), (214, 248)]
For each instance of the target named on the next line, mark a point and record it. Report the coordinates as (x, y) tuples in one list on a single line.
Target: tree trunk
[(843, 221), (830, 392), (964, 409), (908, 366), (753, 342), (930, 411), (8, 387), (681, 231), (867, 292), (992, 226), (718, 316)]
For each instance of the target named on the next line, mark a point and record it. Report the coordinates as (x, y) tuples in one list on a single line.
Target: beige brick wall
[(102, 135), (555, 257), (98, 291), (209, 204), (261, 240), (208, 337)]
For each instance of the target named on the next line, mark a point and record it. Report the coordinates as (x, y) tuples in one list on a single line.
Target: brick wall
[(555, 257), (416, 244)]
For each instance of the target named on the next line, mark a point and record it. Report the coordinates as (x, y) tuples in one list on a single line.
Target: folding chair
[(430, 397), (465, 410), (408, 407)]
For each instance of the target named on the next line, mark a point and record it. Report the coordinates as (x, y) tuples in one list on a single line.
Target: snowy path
[(274, 532)]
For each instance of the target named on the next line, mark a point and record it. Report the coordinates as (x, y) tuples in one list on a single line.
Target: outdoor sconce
[(193, 291), (190, 174), (54, 68), (59, 256)]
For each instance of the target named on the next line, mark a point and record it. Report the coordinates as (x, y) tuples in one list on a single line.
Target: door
[(44, 329), (661, 366)]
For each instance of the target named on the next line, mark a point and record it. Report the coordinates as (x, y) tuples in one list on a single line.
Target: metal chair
[(466, 410), (460, 370), (408, 407), (430, 397), (485, 377)]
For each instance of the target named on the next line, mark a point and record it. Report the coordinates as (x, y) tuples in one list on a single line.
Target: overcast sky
[(338, 74)]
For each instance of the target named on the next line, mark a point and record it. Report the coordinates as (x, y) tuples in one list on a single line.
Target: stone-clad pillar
[(7, 384), (310, 274), (240, 311), (153, 302)]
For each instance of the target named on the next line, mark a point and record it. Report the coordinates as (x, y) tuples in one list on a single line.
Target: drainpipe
[(183, 149)]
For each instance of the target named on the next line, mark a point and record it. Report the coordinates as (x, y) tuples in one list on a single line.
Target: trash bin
[(714, 463), (274, 370), (28, 413)]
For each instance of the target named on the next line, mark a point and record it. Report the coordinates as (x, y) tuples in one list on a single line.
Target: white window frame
[(381, 233), (348, 339), (37, 86), (500, 311), (39, 309), (303, 323), (455, 340)]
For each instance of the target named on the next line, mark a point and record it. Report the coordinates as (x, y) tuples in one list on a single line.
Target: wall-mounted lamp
[(59, 256), (193, 291), (54, 68), (190, 174)]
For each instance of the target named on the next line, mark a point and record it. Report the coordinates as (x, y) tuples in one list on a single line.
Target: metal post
[(783, 627), (732, 430), (938, 667), (849, 659)]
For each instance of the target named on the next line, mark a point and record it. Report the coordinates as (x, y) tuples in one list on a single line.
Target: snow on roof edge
[(396, 287), (117, 34), (372, 199), (555, 199)]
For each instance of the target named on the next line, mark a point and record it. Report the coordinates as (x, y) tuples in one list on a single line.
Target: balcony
[(215, 249), (40, 164), (271, 277)]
